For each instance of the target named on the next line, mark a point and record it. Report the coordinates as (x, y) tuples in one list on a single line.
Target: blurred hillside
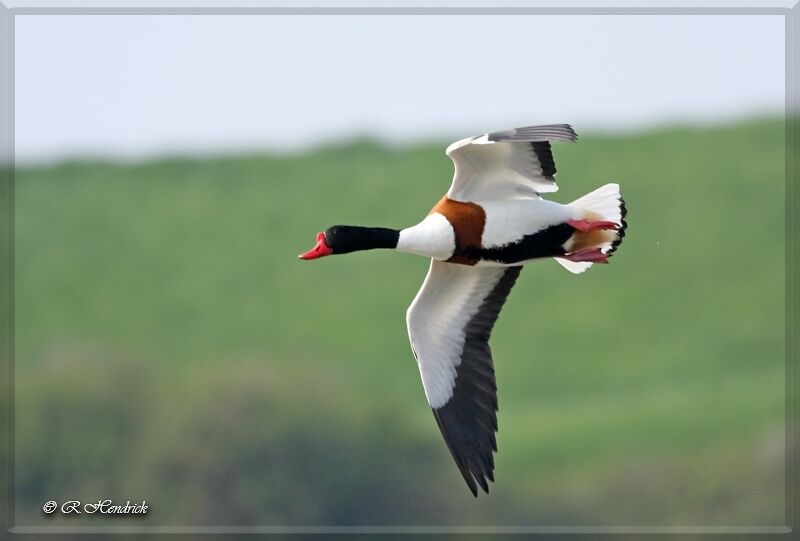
[(171, 347)]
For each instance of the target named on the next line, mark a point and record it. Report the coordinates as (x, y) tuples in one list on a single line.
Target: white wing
[(449, 324), (506, 164)]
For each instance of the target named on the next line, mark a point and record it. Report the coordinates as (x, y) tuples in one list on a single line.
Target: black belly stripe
[(545, 243)]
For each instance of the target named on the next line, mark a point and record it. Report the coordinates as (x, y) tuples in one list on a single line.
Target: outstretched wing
[(449, 324), (506, 164)]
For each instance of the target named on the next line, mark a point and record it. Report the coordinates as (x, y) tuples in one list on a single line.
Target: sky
[(137, 86)]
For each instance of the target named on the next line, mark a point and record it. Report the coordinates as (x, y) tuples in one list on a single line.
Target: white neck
[(432, 237)]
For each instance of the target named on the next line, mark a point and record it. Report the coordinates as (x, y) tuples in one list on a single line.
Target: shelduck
[(491, 222)]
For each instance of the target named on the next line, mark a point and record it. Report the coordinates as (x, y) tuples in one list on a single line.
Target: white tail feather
[(575, 267), (605, 201), (606, 204)]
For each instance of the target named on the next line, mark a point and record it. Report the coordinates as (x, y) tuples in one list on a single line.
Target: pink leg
[(590, 255), (588, 225)]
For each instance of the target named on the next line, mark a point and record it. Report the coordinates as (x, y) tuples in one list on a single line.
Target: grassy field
[(170, 346)]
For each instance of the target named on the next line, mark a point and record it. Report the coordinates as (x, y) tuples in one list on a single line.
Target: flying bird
[(491, 222)]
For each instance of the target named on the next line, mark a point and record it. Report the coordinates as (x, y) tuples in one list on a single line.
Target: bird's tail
[(600, 228)]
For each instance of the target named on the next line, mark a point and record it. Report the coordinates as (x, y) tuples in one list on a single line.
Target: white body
[(507, 221)]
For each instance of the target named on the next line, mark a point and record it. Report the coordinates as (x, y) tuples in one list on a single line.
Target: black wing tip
[(474, 470), (483, 481), (543, 132), (475, 480), (563, 132)]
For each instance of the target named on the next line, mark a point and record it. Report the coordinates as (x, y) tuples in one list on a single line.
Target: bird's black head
[(343, 239)]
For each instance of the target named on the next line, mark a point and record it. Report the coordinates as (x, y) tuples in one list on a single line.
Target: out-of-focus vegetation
[(170, 346)]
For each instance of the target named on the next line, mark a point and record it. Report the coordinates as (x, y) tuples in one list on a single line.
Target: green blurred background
[(171, 347)]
